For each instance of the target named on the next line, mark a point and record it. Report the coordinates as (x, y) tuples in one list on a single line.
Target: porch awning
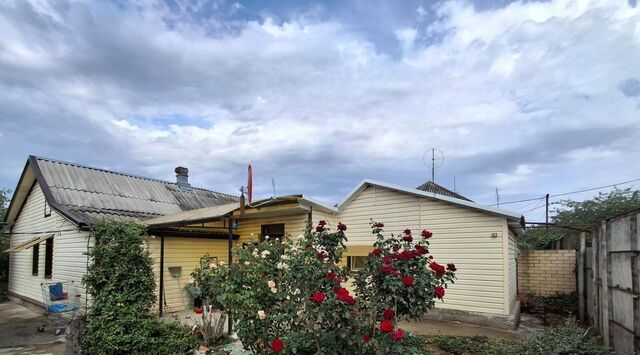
[(193, 216), (29, 243)]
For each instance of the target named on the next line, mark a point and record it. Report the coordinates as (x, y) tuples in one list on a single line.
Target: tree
[(603, 206)]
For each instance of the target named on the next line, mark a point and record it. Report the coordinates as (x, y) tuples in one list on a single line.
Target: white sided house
[(480, 240), (55, 204)]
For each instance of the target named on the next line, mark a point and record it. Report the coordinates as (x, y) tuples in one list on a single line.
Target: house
[(185, 223), (55, 203)]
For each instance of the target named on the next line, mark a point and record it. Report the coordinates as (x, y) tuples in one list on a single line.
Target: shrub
[(289, 297), (121, 284)]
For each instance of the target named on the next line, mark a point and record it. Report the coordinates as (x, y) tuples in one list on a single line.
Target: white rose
[(274, 290), (271, 284), (247, 263), (262, 315)]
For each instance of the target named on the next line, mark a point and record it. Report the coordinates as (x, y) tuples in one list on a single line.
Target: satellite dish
[(433, 158)]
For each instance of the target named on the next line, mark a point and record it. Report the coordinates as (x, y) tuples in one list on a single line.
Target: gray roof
[(430, 186), (90, 194)]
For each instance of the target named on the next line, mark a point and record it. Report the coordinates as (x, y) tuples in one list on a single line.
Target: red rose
[(407, 238), (396, 246), (407, 281), (421, 250), (388, 314), (320, 255), (405, 255), (376, 251), (386, 326), (407, 231), (397, 335), (451, 267), (366, 338), (379, 225), (387, 269), (426, 234), (331, 276), (318, 297), (386, 260), (277, 345), (342, 294), (319, 229), (430, 256), (342, 227), (322, 223), (439, 292), (437, 268)]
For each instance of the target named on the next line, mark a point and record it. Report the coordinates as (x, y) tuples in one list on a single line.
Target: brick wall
[(547, 272)]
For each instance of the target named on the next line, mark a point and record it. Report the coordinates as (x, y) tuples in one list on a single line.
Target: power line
[(569, 193)]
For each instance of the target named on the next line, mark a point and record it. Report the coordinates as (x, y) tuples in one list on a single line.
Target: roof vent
[(182, 178)]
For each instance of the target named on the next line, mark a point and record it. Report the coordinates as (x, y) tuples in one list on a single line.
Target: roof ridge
[(120, 173)]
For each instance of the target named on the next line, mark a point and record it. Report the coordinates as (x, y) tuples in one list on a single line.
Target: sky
[(526, 97)]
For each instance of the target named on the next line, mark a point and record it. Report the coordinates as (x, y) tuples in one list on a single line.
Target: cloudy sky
[(528, 97)]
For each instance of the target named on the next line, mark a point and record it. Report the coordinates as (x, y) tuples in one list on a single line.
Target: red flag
[(250, 184)]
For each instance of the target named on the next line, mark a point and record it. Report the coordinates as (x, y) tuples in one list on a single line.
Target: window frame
[(48, 258), (351, 262), (264, 227), (35, 260)]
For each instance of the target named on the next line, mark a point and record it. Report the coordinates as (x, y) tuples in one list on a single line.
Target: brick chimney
[(182, 178)]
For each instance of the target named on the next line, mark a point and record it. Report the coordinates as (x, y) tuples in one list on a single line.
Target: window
[(273, 231), (35, 260), (47, 209), (356, 262), (48, 258)]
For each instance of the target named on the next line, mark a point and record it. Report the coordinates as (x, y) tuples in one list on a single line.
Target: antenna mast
[(436, 162)]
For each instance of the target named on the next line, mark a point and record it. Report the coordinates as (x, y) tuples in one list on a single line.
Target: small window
[(273, 231), (35, 260), (356, 262), (47, 209), (48, 258)]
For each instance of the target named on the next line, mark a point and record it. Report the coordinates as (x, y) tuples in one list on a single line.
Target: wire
[(568, 193)]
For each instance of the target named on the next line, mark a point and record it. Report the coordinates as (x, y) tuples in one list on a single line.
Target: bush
[(121, 284), (567, 338), (475, 345), (289, 297)]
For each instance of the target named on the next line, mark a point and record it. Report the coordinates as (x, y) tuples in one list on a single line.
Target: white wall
[(460, 235), (69, 245)]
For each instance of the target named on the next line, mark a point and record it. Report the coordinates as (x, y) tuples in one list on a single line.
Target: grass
[(459, 345)]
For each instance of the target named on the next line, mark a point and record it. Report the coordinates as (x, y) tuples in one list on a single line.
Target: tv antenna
[(437, 159)]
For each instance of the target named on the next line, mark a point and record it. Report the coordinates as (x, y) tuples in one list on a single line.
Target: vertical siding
[(461, 236), (186, 253), (513, 270), (69, 246)]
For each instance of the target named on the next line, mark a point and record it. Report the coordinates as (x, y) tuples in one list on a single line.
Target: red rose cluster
[(342, 227), (342, 294), (318, 297), (386, 326), (426, 234), (437, 268)]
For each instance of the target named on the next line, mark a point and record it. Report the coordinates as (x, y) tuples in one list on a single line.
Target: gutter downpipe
[(161, 273)]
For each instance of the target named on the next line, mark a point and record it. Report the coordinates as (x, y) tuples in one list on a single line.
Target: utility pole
[(497, 198), (546, 218)]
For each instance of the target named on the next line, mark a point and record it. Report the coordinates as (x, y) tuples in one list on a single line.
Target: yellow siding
[(250, 229), (461, 236), (330, 218), (69, 246), (513, 270), (186, 253)]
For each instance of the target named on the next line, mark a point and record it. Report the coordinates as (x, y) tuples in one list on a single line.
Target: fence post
[(604, 277), (581, 278)]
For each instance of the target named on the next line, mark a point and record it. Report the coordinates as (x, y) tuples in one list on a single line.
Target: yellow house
[(56, 202), (480, 240)]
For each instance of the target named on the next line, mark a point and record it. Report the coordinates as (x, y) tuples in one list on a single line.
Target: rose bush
[(294, 297)]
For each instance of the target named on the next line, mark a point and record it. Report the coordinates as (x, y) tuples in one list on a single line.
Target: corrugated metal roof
[(97, 194), (430, 186)]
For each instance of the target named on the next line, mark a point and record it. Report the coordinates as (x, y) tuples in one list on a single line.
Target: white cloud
[(503, 92)]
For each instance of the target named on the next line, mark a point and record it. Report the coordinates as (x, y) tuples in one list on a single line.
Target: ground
[(18, 326)]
